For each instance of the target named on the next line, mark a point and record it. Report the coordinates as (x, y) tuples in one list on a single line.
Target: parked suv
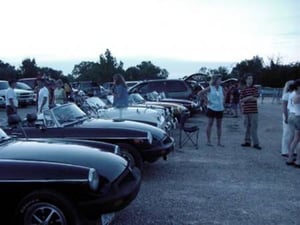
[(25, 97), (172, 88)]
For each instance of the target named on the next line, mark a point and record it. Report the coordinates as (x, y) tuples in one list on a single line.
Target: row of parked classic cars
[(79, 162)]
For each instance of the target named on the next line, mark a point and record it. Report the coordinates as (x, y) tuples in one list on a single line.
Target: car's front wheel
[(131, 155), (46, 207)]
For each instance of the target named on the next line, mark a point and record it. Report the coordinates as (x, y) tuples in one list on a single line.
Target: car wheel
[(131, 155), (46, 207)]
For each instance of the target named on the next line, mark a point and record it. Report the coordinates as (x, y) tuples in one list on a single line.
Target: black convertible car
[(61, 182), (138, 142)]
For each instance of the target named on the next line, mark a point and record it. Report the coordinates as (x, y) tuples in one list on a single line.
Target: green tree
[(54, 74), (222, 71), (254, 65), (86, 70), (8, 72), (149, 71), (109, 66), (132, 73), (29, 68)]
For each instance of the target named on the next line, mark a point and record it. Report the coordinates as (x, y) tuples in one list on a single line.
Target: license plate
[(106, 219)]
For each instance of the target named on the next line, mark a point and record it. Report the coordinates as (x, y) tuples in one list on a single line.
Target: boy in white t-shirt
[(11, 100), (43, 96)]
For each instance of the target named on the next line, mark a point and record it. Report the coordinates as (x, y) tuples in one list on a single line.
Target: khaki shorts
[(294, 121), (297, 122)]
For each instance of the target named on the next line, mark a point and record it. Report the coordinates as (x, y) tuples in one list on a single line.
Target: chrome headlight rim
[(93, 179), (150, 138)]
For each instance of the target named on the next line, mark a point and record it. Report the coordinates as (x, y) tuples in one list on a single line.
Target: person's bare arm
[(43, 104), (248, 98), (204, 91), (12, 104), (285, 111)]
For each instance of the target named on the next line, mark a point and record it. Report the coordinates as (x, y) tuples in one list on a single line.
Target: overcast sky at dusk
[(178, 35)]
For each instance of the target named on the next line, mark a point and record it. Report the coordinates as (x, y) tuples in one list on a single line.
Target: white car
[(96, 107), (25, 97)]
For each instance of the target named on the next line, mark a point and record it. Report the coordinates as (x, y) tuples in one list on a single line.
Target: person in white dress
[(287, 128), (295, 121)]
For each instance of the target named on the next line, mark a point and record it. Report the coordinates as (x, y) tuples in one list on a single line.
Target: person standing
[(294, 119), (120, 93), (11, 100), (287, 128), (235, 100), (43, 97), (59, 93), (215, 107), (248, 101)]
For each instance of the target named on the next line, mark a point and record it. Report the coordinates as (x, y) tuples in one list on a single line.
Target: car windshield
[(68, 113), (95, 102), (136, 98), (3, 85)]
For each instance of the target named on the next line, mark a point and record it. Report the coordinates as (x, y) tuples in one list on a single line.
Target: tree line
[(273, 75)]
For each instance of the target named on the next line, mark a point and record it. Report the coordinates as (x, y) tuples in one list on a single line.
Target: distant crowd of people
[(50, 92)]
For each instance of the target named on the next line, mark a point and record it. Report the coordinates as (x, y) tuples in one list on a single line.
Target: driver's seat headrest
[(13, 119), (31, 117)]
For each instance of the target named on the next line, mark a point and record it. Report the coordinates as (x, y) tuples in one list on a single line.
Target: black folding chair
[(187, 132)]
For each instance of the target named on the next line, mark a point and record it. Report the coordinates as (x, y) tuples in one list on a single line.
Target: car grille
[(23, 96)]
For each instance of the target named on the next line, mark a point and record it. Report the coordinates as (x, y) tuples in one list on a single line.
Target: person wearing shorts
[(215, 108)]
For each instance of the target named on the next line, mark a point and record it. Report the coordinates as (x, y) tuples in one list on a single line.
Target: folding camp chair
[(187, 133)]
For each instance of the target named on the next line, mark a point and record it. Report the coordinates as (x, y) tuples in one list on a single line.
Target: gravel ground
[(214, 185)]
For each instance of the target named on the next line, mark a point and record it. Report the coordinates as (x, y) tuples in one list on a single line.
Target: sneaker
[(257, 147), (246, 144)]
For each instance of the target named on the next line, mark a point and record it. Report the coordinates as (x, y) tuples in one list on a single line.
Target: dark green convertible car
[(138, 142)]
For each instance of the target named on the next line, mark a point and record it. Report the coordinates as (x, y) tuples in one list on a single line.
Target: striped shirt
[(251, 105)]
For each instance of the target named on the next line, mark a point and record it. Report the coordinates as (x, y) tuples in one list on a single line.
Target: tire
[(131, 155), (42, 205)]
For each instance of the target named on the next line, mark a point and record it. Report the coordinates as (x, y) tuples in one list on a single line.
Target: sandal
[(296, 165), (290, 163)]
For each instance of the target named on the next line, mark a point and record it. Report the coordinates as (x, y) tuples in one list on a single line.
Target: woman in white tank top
[(215, 108)]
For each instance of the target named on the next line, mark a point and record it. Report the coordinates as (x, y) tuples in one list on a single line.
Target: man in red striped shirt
[(248, 100)]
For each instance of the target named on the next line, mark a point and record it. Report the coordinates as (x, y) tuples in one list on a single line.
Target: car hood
[(132, 113), (123, 125), (176, 100), (177, 106), (18, 91), (51, 151)]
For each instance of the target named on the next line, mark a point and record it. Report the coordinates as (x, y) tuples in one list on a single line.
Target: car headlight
[(93, 179)]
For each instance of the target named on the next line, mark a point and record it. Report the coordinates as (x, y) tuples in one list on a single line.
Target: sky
[(180, 36)]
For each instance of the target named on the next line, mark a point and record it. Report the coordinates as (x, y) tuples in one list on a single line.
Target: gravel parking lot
[(214, 185)]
